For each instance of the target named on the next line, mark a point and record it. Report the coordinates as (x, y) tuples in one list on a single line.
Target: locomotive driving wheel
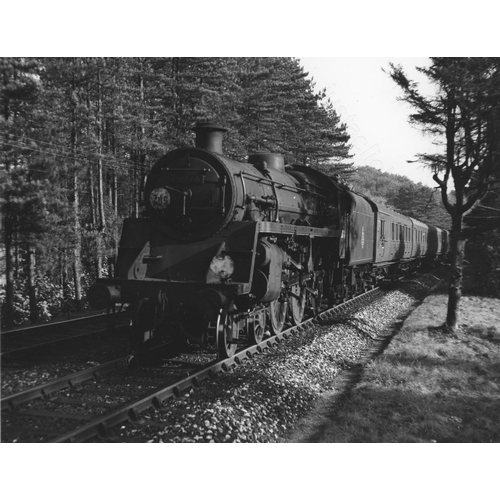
[(298, 296), (277, 314), (255, 330), (227, 333)]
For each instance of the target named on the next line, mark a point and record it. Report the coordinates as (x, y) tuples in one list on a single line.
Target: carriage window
[(393, 230), (382, 229)]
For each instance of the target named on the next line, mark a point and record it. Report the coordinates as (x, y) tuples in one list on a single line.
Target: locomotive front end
[(223, 247)]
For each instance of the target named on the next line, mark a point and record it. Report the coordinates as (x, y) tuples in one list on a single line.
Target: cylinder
[(263, 253), (266, 284), (210, 301)]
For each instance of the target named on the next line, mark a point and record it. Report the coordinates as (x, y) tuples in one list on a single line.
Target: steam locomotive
[(229, 251)]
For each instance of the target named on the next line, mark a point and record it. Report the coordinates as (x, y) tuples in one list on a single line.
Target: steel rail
[(131, 411), (41, 326), (19, 350), (68, 381), (45, 331)]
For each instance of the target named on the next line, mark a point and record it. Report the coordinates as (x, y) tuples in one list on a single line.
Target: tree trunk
[(32, 283), (92, 196), (99, 255), (115, 193), (9, 273), (135, 184), (457, 253), (77, 258), (77, 272), (65, 294), (15, 258), (142, 139), (100, 183)]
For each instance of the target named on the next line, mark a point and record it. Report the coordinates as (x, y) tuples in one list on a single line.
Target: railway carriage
[(230, 250), (394, 239), (420, 232), (434, 240)]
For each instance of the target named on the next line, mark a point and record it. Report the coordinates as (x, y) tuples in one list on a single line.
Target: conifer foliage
[(78, 134)]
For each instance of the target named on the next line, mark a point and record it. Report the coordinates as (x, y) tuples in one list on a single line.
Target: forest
[(79, 134)]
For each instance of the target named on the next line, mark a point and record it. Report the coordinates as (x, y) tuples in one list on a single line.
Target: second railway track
[(87, 404), (28, 341)]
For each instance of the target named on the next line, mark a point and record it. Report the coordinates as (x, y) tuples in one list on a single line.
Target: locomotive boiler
[(228, 251)]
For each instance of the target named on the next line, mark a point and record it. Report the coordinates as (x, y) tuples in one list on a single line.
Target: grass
[(427, 386)]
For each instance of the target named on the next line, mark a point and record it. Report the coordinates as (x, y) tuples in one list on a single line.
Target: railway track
[(87, 404), (22, 342)]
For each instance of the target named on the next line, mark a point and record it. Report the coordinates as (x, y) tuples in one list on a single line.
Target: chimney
[(209, 136)]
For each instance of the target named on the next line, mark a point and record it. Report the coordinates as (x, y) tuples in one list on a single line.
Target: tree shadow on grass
[(402, 409), (395, 416)]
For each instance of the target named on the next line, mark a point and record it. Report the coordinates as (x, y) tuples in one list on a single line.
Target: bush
[(52, 300)]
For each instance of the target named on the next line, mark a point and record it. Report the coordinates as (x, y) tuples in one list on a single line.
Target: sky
[(366, 100)]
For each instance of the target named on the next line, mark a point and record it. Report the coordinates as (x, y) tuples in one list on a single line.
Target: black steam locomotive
[(228, 251)]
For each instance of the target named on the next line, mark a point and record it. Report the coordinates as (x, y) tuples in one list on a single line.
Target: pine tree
[(280, 112), (465, 113), (19, 93)]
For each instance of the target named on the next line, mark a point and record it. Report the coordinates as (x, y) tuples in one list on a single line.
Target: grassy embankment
[(427, 386)]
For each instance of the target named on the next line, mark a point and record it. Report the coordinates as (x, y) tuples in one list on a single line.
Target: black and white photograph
[(228, 245)]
